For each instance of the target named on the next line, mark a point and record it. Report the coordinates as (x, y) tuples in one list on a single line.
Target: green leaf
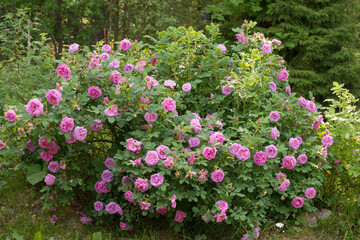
[(111, 119), (17, 236), (35, 174), (38, 236)]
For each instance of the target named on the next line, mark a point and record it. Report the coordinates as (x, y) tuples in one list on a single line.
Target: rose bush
[(181, 128)]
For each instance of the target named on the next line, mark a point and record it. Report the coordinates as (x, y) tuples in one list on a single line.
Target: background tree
[(319, 37)]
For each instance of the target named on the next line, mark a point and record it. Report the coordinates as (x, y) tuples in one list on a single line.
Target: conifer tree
[(318, 36), (319, 39)]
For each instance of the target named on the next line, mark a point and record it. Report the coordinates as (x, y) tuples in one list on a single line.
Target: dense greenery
[(319, 37)]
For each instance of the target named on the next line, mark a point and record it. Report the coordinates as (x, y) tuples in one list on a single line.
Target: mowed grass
[(21, 217)]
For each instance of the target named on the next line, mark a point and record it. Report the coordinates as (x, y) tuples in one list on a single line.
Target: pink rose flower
[(266, 48), (50, 179), (128, 196), (223, 205), (10, 115), (63, 71), (125, 227), (162, 151), (106, 48), (96, 127), (115, 64), (217, 137), (274, 116), (272, 86), (311, 106), (294, 143), (274, 133), (194, 142), (226, 90), (150, 81), (280, 177), (283, 75), (94, 92), (72, 138), (310, 193), (53, 97), (327, 141), (169, 162), (140, 65), (142, 184), (209, 152), (54, 166), (234, 148), (144, 205), (169, 83), (277, 42), (100, 187), (67, 124), (302, 158), (186, 87), (217, 176), (196, 125), (98, 206), (337, 161), (241, 37), (169, 104), (73, 47), (179, 216), (109, 162), (288, 162), (220, 216), (125, 44), (46, 156), (173, 201), (30, 146), (271, 151), (151, 158), (133, 145), (111, 111), (297, 202), (260, 158), (303, 101), (284, 185), (162, 211), (243, 153), (113, 208), (150, 117), (128, 68), (222, 48), (115, 77), (80, 133), (107, 176), (156, 180), (288, 90), (34, 107), (2, 144), (52, 147)]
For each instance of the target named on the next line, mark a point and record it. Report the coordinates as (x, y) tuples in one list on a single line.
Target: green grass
[(21, 218)]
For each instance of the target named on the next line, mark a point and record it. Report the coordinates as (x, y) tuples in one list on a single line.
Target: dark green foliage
[(87, 21), (318, 37)]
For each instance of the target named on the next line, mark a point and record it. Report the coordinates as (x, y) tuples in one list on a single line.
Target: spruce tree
[(319, 39), (318, 36)]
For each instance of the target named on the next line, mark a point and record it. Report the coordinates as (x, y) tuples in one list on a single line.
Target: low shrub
[(183, 128)]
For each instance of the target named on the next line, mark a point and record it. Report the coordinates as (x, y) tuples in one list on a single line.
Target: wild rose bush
[(181, 129)]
